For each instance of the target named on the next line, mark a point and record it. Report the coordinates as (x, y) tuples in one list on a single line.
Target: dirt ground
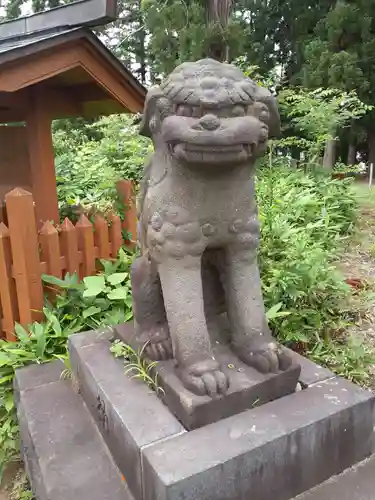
[(358, 265), (13, 479)]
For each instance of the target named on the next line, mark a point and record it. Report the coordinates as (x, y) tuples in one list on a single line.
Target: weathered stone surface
[(65, 456), (198, 222), (357, 483), (311, 373), (129, 415), (36, 375), (247, 387), (275, 451)]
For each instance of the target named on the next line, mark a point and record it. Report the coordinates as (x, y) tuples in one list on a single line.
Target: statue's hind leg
[(149, 312)]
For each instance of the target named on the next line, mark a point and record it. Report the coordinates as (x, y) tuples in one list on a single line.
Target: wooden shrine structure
[(53, 66)]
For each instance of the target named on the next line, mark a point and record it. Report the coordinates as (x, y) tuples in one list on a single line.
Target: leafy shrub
[(304, 219), (90, 159), (98, 301)]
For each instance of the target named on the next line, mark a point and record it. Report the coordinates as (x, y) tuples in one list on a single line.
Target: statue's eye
[(164, 108), (197, 112), (239, 111), (183, 110)]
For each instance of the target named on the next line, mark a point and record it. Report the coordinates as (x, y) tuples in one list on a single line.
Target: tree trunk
[(329, 158), (371, 146), (142, 46), (218, 13), (352, 153)]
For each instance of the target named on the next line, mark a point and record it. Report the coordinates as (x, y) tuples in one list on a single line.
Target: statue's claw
[(205, 379), (159, 345), (266, 357)]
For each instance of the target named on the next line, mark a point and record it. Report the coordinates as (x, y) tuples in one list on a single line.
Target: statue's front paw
[(159, 345), (266, 356), (205, 378)]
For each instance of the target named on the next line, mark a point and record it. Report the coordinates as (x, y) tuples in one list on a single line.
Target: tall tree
[(185, 30), (341, 55), (276, 31), (218, 14)]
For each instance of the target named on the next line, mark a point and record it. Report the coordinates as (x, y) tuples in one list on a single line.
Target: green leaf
[(40, 335), (117, 278), (94, 285), (7, 378), (118, 294), (9, 403), (21, 333), (274, 312), (4, 359), (91, 311)]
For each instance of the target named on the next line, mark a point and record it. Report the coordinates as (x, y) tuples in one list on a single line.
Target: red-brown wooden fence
[(26, 253)]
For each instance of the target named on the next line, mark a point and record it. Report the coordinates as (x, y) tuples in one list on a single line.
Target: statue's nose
[(209, 122)]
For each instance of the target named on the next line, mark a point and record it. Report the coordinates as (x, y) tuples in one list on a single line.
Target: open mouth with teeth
[(217, 153)]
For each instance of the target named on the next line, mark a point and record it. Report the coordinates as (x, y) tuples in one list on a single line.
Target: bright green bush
[(304, 220), (90, 159)]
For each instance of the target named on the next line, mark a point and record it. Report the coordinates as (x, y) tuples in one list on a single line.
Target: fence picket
[(25, 250), (69, 246), (8, 296), (49, 241), (86, 245), (101, 237), (25, 254), (125, 191), (115, 233)]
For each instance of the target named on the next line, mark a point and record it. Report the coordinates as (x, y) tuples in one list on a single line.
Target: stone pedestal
[(274, 451), (247, 387)]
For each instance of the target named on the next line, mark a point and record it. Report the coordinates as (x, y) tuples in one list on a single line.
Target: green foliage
[(136, 365), (304, 220), (341, 52), (317, 114), (97, 302), (340, 167), (179, 32), (349, 357), (90, 159)]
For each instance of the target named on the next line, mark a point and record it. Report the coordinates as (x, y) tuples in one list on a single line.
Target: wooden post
[(8, 295), (129, 223), (115, 234), (86, 245), (69, 246), (43, 178), (101, 237), (49, 241), (25, 251)]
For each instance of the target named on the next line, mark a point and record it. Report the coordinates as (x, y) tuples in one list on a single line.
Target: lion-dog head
[(209, 114)]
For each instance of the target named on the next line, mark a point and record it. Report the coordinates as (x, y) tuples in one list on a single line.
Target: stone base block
[(274, 451), (64, 454), (247, 387), (129, 415)]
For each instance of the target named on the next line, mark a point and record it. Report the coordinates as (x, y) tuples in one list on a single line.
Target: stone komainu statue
[(199, 228)]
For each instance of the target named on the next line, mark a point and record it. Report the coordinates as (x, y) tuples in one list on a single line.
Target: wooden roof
[(79, 76)]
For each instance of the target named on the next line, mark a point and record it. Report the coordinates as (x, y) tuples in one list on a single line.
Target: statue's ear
[(274, 123), (149, 110)]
